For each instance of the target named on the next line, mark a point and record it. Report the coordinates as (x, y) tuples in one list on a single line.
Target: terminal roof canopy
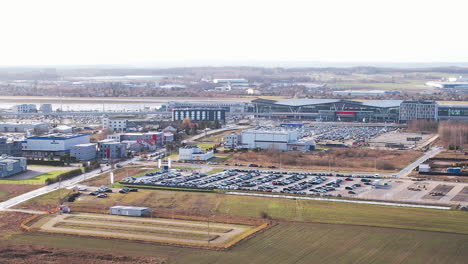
[(310, 101)]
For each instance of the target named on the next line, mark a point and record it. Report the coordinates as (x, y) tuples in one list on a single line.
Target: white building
[(193, 152), (232, 140), (84, 152), (276, 139), (115, 124), (364, 92), (230, 81), (25, 108)]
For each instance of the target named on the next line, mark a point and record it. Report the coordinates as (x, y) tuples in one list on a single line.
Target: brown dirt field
[(8, 191), (339, 158), (10, 223), (36, 254), (119, 174)]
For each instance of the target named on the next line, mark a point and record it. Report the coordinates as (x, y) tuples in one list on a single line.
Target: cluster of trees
[(454, 134), (192, 128), (418, 126)]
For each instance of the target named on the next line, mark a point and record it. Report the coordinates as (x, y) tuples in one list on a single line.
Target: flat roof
[(311, 101), (129, 207), (58, 136)]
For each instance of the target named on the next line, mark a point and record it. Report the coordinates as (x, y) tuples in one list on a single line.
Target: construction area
[(158, 230)]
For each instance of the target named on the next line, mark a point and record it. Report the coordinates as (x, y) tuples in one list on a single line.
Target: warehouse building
[(10, 147), (276, 139), (418, 110), (130, 211), (10, 166), (84, 152), (194, 152), (109, 149), (52, 145), (199, 114)]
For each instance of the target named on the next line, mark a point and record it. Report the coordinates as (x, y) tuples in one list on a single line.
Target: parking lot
[(364, 186), (343, 133)]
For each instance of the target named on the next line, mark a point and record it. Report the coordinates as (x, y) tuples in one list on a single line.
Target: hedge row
[(46, 162), (64, 176), (94, 165)]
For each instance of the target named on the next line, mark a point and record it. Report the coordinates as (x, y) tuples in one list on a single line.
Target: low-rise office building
[(25, 108), (10, 166), (418, 110), (109, 149), (84, 152), (115, 124), (199, 114)]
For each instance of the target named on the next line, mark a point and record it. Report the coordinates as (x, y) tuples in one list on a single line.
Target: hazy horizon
[(180, 32)]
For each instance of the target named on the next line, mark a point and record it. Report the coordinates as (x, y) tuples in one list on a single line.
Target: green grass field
[(38, 180), (291, 242), (278, 208), (206, 146)]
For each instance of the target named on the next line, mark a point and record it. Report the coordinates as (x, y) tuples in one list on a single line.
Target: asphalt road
[(49, 188), (431, 153)]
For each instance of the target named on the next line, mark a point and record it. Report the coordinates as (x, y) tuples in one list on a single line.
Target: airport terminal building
[(329, 109), (372, 111)]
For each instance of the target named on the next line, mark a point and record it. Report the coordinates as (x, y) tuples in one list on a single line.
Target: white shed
[(129, 210)]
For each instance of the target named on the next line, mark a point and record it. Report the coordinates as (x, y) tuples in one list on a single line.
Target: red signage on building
[(345, 112)]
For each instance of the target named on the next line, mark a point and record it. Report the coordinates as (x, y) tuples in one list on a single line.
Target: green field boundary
[(149, 187), (36, 180)]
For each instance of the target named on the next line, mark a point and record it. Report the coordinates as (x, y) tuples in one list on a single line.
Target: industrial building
[(24, 127), (84, 152), (418, 110), (52, 145), (329, 109), (130, 211), (199, 114), (10, 166), (109, 149), (276, 139), (193, 152), (10, 147)]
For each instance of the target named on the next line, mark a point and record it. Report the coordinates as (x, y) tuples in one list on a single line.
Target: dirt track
[(127, 222)]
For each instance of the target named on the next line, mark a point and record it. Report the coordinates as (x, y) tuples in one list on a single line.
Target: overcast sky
[(64, 32)]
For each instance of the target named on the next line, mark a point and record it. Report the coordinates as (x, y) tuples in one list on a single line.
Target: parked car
[(102, 195), (352, 192)]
